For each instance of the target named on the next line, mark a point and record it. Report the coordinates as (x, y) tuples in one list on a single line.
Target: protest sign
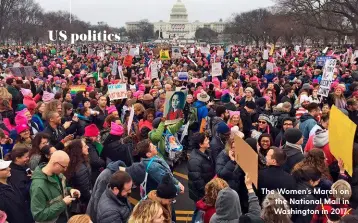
[(101, 54), (134, 51), (270, 66), (283, 52), (320, 61), (297, 49), (216, 69), (120, 72), (114, 68), (265, 55), (117, 91), (192, 50), (327, 77), (246, 158), (154, 70), (272, 49), (183, 76), (29, 71), (174, 106), (130, 120), (128, 61), (16, 71), (220, 53), (205, 50), (176, 54), (124, 52), (76, 88), (325, 50), (341, 133), (164, 55)]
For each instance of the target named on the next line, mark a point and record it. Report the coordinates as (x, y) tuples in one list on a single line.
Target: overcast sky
[(117, 12)]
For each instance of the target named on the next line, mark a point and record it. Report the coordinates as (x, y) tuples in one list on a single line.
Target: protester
[(307, 121), (39, 141), (147, 211), (293, 148), (113, 206), (49, 194)]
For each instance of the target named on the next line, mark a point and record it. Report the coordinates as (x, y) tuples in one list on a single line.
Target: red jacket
[(325, 148), (209, 210)]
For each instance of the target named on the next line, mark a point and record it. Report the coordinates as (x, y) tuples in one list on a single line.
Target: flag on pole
[(147, 64)]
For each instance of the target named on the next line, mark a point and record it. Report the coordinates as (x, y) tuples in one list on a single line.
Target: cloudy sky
[(117, 12)]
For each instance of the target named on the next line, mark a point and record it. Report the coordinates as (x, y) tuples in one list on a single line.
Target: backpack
[(143, 185), (193, 117), (172, 146)]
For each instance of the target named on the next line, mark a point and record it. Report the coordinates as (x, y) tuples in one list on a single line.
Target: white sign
[(183, 76), (117, 91), (114, 68), (205, 50), (327, 77), (220, 53), (176, 54), (134, 51), (120, 71), (325, 50), (265, 56), (216, 69), (283, 52), (270, 66), (154, 70), (297, 49), (192, 50), (130, 120)]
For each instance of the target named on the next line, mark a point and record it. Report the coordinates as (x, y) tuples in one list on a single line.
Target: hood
[(38, 174), (290, 151), (216, 120), (227, 205), (114, 166), (320, 139), (306, 117), (137, 172)]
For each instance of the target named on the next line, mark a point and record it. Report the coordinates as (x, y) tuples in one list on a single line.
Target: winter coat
[(216, 146), (81, 180), (56, 136), (46, 196), (305, 199), (99, 119), (114, 150), (209, 210), (246, 122), (214, 122), (96, 161), (280, 139), (156, 170), (157, 138), (273, 178), (21, 180), (294, 156), (200, 172), (14, 205), (254, 209), (307, 122), (100, 186), (111, 209)]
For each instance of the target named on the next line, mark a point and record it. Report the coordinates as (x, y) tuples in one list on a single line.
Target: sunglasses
[(261, 122)]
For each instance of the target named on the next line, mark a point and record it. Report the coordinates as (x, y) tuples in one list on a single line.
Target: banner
[(154, 70), (216, 69), (114, 68), (76, 88), (327, 77), (174, 106), (176, 54), (128, 61), (272, 49), (265, 55), (320, 61), (164, 55), (341, 137), (117, 91)]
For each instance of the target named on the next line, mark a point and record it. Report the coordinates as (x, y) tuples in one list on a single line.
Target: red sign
[(128, 61)]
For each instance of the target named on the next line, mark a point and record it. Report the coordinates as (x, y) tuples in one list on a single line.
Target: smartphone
[(28, 171)]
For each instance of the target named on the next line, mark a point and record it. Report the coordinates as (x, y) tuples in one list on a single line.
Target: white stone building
[(179, 26)]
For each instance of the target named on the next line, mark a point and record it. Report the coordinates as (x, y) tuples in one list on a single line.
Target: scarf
[(299, 147)]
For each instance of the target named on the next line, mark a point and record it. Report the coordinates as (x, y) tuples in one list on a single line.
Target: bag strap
[(150, 162)]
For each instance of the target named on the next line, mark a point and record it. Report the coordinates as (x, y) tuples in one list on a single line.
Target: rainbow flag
[(76, 88)]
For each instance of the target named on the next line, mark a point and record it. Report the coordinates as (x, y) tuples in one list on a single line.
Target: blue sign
[(320, 61)]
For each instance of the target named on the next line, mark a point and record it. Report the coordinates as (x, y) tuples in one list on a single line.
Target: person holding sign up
[(176, 106)]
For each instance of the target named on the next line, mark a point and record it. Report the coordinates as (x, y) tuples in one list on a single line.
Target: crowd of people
[(75, 156)]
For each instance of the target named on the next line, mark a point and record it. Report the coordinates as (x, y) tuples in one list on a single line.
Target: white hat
[(4, 164), (203, 96), (304, 98)]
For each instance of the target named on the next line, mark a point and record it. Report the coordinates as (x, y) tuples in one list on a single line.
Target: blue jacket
[(269, 77), (202, 109), (156, 171), (307, 122)]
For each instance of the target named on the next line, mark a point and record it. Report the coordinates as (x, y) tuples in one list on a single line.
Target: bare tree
[(206, 34)]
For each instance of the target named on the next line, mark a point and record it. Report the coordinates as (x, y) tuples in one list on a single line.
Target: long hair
[(212, 189), (74, 150), (275, 201), (66, 106), (37, 141), (145, 211), (315, 158), (18, 152)]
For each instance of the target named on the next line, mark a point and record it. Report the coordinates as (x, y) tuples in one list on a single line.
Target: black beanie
[(250, 104), (156, 122), (293, 135), (166, 189)]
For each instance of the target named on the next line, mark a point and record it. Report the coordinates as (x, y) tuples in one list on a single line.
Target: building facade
[(179, 26)]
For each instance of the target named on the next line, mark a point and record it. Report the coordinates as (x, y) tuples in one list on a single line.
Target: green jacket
[(157, 138), (46, 196)]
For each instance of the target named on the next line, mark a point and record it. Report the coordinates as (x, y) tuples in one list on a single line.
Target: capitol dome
[(179, 13)]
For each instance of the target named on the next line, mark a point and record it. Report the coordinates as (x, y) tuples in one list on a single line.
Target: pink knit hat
[(111, 109), (47, 97), (25, 92), (21, 128), (20, 119), (141, 87), (116, 129)]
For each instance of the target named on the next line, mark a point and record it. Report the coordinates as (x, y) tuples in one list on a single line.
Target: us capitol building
[(179, 26)]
